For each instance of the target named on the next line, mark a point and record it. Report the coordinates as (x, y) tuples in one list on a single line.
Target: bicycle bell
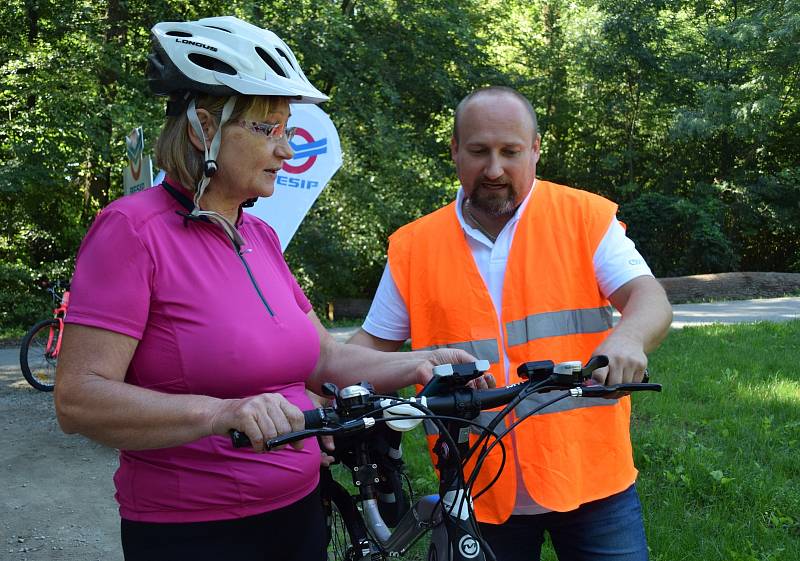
[(353, 397)]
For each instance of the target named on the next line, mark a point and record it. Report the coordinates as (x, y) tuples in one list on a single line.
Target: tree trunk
[(32, 13), (107, 75)]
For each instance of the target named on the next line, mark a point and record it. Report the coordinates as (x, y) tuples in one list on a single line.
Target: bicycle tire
[(347, 533), (38, 368)]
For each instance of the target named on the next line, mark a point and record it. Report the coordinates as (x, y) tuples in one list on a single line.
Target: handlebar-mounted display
[(447, 377)]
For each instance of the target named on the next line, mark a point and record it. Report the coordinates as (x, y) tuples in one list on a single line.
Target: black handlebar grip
[(314, 419), (239, 439)]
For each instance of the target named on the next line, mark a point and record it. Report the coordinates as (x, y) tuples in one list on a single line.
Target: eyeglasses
[(274, 131)]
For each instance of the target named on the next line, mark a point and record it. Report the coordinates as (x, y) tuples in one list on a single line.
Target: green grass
[(717, 450), (340, 322)]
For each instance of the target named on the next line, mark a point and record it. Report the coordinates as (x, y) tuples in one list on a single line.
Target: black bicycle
[(378, 521)]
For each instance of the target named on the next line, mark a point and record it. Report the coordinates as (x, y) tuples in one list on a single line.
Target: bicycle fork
[(425, 514), (54, 342)]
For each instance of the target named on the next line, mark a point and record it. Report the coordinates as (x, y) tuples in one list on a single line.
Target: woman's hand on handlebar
[(485, 382), (441, 356), (260, 417), (325, 442)]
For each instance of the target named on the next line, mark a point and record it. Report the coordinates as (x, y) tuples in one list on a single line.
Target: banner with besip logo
[(138, 175), (317, 157)]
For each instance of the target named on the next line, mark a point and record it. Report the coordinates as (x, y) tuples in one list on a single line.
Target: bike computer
[(449, 376)]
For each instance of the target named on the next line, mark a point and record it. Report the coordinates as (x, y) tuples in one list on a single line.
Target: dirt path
[(58, 496)]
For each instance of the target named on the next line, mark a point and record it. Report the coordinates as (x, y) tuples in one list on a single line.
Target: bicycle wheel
[(36, 360)]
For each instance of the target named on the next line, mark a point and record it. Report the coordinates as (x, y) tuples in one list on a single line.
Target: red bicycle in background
[(38, 354)]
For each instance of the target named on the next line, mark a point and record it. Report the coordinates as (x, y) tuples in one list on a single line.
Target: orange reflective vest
[(553, 309)]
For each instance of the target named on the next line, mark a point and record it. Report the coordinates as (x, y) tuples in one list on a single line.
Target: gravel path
[(58, 495)]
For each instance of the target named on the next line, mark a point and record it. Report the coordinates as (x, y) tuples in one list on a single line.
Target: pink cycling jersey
[(181, 289)]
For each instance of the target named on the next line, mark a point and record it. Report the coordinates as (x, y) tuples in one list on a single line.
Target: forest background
[(685, 112)]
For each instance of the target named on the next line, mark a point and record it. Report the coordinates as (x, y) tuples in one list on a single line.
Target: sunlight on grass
[(717, 450), (776, 389)]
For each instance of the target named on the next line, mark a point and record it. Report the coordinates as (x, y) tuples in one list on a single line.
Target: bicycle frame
[(447, 515), (59, 313)]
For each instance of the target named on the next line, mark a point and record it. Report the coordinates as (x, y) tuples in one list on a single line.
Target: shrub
[(678, 236)]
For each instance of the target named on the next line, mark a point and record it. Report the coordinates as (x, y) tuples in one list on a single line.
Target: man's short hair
[(495, 90)]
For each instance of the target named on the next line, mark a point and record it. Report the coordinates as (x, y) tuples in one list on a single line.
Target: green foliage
[(694, 228), (686, 113), (20, 303), (764, 220)]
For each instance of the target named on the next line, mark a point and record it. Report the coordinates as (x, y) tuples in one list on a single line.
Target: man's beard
[(493, 202)]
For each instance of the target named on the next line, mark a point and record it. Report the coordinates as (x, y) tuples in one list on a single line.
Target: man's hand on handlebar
[(627, 361), (260, 417)]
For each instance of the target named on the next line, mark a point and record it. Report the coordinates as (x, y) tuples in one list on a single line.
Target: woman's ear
[(209, 125)]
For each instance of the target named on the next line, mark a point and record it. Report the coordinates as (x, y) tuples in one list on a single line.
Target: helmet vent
[(280, 52), (178, 34), (220, 28), (211, 63), (270, 61)]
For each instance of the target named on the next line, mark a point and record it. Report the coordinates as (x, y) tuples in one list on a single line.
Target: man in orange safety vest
[(518, 269)]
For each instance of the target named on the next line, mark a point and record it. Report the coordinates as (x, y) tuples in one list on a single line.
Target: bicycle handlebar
[(326, 421)]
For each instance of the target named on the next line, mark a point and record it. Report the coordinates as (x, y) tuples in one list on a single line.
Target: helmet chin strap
[(210, 168)]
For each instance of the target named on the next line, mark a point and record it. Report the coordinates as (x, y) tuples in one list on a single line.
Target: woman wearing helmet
[(185, 321)]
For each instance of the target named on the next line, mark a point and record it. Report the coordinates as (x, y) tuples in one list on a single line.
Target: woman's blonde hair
[(176, 154)]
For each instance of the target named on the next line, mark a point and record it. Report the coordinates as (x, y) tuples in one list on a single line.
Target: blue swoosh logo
[(309, 149)]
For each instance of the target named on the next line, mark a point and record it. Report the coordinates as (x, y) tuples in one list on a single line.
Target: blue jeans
[(607, 529)]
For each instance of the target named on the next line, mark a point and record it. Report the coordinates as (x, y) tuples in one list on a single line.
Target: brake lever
[(595, 363), (240, 439), (593, 389)]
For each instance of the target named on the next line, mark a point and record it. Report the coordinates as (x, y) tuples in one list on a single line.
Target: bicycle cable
[(457, 484), (485, 454)]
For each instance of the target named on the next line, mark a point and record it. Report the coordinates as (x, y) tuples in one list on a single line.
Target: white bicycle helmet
[(225, 56), (222, 56)]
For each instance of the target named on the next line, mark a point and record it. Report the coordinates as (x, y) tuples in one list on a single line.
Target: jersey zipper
[(255, 284), (184, 201)]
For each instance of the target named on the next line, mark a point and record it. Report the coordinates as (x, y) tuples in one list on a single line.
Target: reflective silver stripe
[(485, 349), (553, 324), (533, 401), (483, 419)]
